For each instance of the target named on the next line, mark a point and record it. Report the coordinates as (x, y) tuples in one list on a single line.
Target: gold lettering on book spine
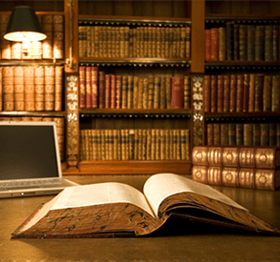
[(230, 177), (199, 156), (199, 173), (230, 157), (264, 179), (265, 158)]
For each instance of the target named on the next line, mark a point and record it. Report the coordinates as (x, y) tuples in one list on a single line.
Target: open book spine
[(267, 179)]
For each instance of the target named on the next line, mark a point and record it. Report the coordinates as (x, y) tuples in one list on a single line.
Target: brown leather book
[(217, 134), (259, 87), (101, 91), (58, 37), (94, 87), (224, 134), (88, 87), (177, 92), (207, 44), (220, 93), (246, 80), (222, 43), (118, 91), (207, 93), (275, 105), (226, 104), (239, 134), (267, 93), (210, 134), (213, 93), (264, 135), (233, 90), (232, 134), (239, 93), (248, 134), (214, 44), (251, 105)]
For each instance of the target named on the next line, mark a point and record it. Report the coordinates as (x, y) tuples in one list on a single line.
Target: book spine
[(267, 93), (220, 93), (239, 93), (251, 43), (118, 91), (113, 92), (29, 88), (213, 93), (243, 35), (245, 98), (229, 41), (94, 87), (88, 87), (239, 134), (58, 89), (130, 91), (232, 134), (58, 37), (82, 84), (101, 93), (19, 88), (207, 44), (259, 80), (233, 87), (259, 43), (47, 44), (224, 134), (275, 105), (226, 105), (222, 43), (251, 105), (236, 42), (207, 93), (107, 91), (214, 43), (268, 43), (248, 134)]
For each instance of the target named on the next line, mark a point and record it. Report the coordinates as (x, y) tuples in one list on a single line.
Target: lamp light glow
[(24, 26)]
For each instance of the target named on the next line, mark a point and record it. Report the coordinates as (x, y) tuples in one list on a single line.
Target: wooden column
[(72, 83), (197, 70)]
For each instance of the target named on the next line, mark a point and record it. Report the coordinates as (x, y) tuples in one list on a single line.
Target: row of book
[(246, 167), (50, 48), (100, 90), (242, 42), (60, 128), (248, 134), (140, 41), (134, 144), (242, 93), (29, 88)]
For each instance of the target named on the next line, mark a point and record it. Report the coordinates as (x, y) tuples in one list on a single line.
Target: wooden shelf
[(130, 167), (241, 65), (28, 113), (141, 62)]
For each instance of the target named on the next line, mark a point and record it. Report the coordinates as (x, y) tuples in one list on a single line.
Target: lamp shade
[(24, 25)]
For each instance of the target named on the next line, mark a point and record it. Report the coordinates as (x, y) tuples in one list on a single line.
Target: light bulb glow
[(24, 36)]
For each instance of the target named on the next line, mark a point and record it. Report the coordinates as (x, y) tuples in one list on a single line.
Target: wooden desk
[(194, 243)]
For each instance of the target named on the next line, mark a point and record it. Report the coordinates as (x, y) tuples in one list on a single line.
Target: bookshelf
[(151, 18)]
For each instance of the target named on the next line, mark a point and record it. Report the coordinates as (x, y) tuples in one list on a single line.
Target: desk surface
[(196, 242)]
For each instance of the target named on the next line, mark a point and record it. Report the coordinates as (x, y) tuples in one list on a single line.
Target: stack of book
[(248, 134), (135, 144), (237, 166), (242, 93), (140, 41), (100, 90), (242, 42), (29, 88)]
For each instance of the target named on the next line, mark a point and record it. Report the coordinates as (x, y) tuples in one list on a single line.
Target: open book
[(112, 209)]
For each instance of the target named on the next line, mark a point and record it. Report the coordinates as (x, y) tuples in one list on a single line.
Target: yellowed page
[(160, 186), (104, 193)]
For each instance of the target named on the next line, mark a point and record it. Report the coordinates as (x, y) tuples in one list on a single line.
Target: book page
[(160, 186), (104, 193)]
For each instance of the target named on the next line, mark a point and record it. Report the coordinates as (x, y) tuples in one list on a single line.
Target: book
[(265, 179), (117, 209)]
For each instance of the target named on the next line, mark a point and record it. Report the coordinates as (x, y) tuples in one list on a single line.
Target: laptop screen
[(28, 151)]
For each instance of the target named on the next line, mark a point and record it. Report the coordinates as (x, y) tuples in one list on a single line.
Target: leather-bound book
[(277, 134), (157, 92), (272, 134), (275, 105), (187, 92), (88, 87), (107, 91), (229, 41), (226, 104), (129, 91), (213, 93), (267, 93), (19, 88), (207, 93), (82, 85), (251, 105), (136, 94), (47, 44), (232, 134), (94, 87), (199, 174), (168, 90), (251, 43), (256, 134), (224, 134), (236, 42), (124, 91), (248, 134), (239, 93), (245, 99), (267, 179), (222, 43), (58, 37), (233, 89), (118, 91), (214, 176), (259, 43), (58, 88), (146, 91), (230, 176), (207, 44), (220, 93), (140, 92), (151, 90), (39, 82), (113, 92), (259, 82), (5, 44), (217, 134), (243, 35), (268, 43), (275, 42), (214, 43), (246, 178), (29, 88), (264, 138), (177, 92), (101, 90), (210, 134), (239, 134)]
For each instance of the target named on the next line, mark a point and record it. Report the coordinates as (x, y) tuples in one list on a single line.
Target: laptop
[(30, 160)]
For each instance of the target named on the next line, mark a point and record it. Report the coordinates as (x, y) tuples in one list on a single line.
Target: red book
[(113, 91), (207, 44), (88, 87), (118, 91), (177, 92), (82, 84), (107, 91), (94, 86), (214, 44), (101, 93)]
